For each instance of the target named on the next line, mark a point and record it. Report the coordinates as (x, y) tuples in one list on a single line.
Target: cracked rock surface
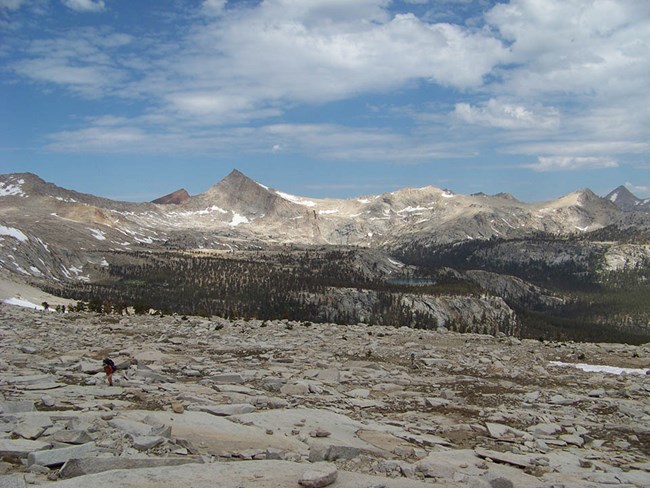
[(275, 404)]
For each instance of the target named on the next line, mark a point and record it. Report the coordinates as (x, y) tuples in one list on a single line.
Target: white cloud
[(11, 4), (213, 7), (571, 163), (81, 61), (584, 47), (284, 52), (538, 66), (84, 5), (506, 115)]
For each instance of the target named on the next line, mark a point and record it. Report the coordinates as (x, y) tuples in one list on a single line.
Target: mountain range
[(48, 231), (577, 266)]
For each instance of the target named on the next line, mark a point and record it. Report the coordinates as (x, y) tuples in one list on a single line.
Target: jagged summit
[(627, 201), (178, 197)]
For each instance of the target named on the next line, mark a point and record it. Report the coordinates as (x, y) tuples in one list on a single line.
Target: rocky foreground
[(209, 402)]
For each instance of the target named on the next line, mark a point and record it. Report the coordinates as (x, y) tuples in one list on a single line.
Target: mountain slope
[(627, 201)]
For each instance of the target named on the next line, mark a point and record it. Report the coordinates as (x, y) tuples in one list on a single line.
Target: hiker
[(109, 369)]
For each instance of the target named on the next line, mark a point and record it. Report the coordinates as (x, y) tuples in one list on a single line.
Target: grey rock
[(131, 426), (319, 476), (437, 402), (47, 401), (505, 457), (342, 452), (144, 443), (574, 439), (544, 429), (501, 482), (83, 466), (12, 481), (20, 447), (228, 378), (53, 457), (32, 427), (18, 406), (72, 437), (225, 410), (295, 389)]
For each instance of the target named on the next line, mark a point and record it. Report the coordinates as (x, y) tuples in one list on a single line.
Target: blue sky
[(134, 99)]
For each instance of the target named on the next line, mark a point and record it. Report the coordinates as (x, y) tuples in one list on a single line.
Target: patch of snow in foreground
[(327, 212), (11, 232), (597, 368), (396, 263), (21, 302)]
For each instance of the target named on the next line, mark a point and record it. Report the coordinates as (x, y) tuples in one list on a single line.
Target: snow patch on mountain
[(9, 189), (11, 232), (413, 209), (21, 302), (295, 199), (97, 234), (238, 219)]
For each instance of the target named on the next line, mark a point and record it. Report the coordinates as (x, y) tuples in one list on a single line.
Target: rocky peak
[(238, 192), (178, 197), (626, 200)]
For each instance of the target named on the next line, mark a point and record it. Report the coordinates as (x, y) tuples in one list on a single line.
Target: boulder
[(225, 410), (53, 457), (319, 475), (83, 466), (72, 437), (20, 448)]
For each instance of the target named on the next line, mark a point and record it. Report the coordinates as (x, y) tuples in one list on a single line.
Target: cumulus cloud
[(587, 48), (571, 163), (81, 62), (506, 115), (84, 5), (317, 51), (525, 67)]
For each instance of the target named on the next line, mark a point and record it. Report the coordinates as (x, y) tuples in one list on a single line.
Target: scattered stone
[(320, 475), (47, 401), (320, 432)]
